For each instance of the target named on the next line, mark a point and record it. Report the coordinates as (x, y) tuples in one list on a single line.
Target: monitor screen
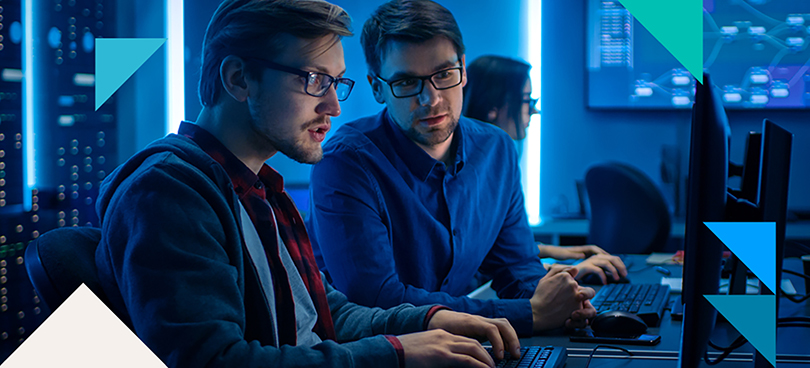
[(706, 202), (757, 51)]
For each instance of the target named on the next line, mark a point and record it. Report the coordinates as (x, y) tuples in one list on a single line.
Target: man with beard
[(204, 256), (408, 204)]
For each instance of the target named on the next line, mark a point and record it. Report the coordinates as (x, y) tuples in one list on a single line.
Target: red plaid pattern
[(255, 192)]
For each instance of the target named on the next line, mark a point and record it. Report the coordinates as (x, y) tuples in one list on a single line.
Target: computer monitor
[(773, 187), (749, 185), (706, 202)]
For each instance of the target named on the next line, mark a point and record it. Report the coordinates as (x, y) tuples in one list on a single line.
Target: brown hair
[(407, 21), (250, 28)]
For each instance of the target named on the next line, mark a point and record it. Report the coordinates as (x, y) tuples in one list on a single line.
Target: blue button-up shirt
[(389, 224)]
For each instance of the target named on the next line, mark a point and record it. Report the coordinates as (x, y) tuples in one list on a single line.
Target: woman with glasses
[(498, 91)]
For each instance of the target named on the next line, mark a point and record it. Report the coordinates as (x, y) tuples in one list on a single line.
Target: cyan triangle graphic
[(678, 25), (117, 59), (754, 243), (754, 316)]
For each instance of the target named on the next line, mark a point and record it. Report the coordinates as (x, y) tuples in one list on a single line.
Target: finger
[(606, 265), (585, 293), (573, 271), (617, 262), (589, 312), (591, 268), (472, 348), (493, 334), (596, 250), (555, 270), (509, 336)]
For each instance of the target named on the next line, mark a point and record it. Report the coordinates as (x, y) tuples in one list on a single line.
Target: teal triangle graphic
[(754, 316), (678, 25), (754, 243), (117, 59)]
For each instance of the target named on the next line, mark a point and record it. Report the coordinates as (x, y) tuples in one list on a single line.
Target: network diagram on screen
[(756, 50)]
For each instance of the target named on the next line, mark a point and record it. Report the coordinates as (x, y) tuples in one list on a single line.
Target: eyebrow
[(445, 65)]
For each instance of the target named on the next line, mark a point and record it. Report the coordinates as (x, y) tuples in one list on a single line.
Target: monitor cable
[(739, 342), (796, 298), (793, 322), (606, 347)]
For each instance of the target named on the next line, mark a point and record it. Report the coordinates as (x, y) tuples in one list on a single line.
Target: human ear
[(376, 88), (234, 78)]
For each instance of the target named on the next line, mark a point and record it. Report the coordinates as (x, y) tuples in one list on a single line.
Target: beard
[(434, 135), (292, 141)]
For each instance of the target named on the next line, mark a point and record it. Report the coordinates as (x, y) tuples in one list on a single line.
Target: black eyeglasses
[(412, 86), (317, 84), (532, 104)]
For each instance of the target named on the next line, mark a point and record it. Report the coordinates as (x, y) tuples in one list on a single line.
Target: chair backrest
[(628, 211), (60, 260)]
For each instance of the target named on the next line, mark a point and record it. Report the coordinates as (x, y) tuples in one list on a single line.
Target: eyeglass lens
[(413, 86), (319, 83)]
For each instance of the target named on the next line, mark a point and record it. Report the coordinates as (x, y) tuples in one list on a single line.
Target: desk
[(795, 341), (555, 229)]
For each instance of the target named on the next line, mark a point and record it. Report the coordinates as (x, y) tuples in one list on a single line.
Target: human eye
[(316, 79), (406, 82), (444, 74)]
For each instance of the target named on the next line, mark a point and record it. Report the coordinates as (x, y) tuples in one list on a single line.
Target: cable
[(793, 319), (793, 324), (795, 298), (806, 277), (608, 347), (739, 342), (640, 269)]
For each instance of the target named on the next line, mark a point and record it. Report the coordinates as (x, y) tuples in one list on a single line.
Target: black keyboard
[(644, 300), (533, 357)]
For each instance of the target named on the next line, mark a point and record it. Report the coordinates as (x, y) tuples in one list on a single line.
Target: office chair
[(628, 212), (60, 260)]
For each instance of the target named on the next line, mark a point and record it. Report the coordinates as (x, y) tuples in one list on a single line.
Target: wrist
[(430, 316)]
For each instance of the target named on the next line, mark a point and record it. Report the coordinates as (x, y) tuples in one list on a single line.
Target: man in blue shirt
[(408, 204)]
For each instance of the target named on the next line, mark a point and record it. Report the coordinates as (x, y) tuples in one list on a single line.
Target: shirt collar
[(416, 159), (243, 179)]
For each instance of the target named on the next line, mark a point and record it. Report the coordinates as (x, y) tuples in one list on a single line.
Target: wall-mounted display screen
[(756, 50)]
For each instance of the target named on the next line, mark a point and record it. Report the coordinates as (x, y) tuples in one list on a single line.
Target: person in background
[(203, 254), (498, 91)]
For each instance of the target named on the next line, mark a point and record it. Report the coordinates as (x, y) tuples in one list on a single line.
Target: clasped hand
[(559, 301)]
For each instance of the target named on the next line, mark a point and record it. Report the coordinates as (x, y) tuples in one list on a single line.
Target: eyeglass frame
[(532, 105), (307, 75), (422, 81)]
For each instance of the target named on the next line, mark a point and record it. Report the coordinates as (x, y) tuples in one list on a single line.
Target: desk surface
[(789, 340)]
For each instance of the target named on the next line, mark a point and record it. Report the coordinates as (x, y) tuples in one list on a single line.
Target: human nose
[(329, 104), (429, 96)]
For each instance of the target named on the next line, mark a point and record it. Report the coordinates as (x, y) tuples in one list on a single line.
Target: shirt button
[(257, 185), (455, 232)]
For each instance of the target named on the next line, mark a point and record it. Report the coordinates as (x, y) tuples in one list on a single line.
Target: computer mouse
[(618, 324), (593, 279)]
